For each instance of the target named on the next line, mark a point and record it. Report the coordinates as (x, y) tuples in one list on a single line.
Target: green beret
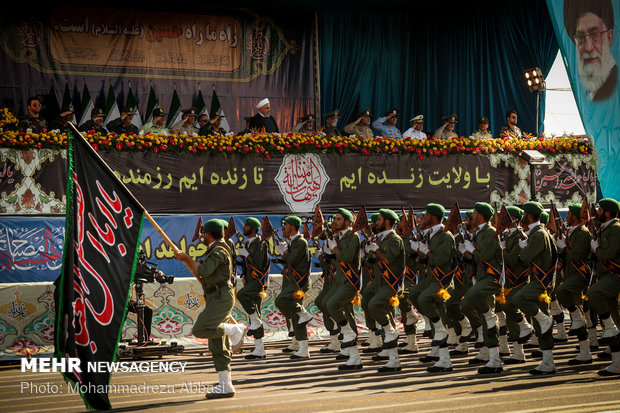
[(544, 217), (389, 214), (609, 205), (515, 211), (436, 209), (373, 218), (213, 226), (575, 209), (469, 213), (293, 220), (224, 222), (348, 216), (533, 208), (485, 209), (253, 222)]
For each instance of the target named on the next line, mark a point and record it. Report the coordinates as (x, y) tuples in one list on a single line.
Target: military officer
[(306, 125), (602, 294), (539, 254), (331, 120), (360, 126), (255, 257), (386, 125), (186, 125), (390, 254), (122, 124), (214, 273), (157, 125), (487, 253), (295, 283), (95, 123)]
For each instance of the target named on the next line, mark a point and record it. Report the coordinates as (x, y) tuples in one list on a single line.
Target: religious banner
[(585, 33), (173, 183)]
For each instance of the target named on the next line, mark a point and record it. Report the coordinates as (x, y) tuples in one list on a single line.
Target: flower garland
[(269, 144)]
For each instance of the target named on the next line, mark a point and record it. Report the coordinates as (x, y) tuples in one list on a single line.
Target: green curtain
[(436, 59)]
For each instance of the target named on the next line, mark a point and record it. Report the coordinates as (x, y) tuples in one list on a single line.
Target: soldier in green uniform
[(346, 284), (439, 249), (256, 275), (462, 282), (519, 330), (331, 120), (408, 317), (306, 125), (295, 283), (480, 298), (214, 274), (575, 252), (603, 295), (369, 289), (390, 253), (327, 261), (539, 254)]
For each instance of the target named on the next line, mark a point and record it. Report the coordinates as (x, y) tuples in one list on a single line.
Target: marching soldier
[(369, 289), (408, 317), (439, 249), (255, 260), (346, 285), (214, 274), (327, 262), (295, 283), (538, 252), (517, 274), (575, 251), (390, 264), (603, 295), (480, 298)]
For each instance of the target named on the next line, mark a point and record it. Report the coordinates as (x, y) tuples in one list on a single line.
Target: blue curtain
[(436, 60)]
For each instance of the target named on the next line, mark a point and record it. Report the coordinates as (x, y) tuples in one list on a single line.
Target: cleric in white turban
[(263, 119)]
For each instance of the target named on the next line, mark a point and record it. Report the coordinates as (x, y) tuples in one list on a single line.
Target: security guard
[(214, 273)]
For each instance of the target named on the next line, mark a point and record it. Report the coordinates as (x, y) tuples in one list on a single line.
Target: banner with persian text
[(172, 183), (243, 54)]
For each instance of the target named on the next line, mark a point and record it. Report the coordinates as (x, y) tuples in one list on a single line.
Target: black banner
[(102, 235)]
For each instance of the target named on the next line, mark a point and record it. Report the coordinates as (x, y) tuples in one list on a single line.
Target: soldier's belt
[(218, 286)]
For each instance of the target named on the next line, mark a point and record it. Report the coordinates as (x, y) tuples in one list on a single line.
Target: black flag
[(102, 236)]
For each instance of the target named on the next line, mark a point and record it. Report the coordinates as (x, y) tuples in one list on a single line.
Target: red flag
[(454, 219), (361, 220), (306, 232), (231, 230), (267, 229), (584, 214), (552, 226), (504, 221), (198, 230), (103, 224), (318, 222)]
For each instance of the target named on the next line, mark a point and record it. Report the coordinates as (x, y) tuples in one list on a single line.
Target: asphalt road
[(279, 384)]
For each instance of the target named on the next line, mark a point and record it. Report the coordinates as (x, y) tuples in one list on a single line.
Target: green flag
[(174, 114), (66, 99), (86, 107), (131, 102), (152, 104), (217, 110), (200, 103), (111, 107)]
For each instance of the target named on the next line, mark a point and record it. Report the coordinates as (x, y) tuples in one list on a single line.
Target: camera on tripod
[(147, 272)]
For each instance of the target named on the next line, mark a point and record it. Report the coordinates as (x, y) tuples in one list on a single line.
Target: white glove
[(522, 243), (424, 248), (594, 245), (462, 248), (317, 252), (469, 247), (332, 243), (503, 245), (414, 245), (326, 249), (242, 252), (282, 247), (561, 243), (372, 247)]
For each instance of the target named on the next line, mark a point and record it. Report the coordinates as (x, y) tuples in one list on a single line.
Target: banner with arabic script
[(174, 183), (244, 54)]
